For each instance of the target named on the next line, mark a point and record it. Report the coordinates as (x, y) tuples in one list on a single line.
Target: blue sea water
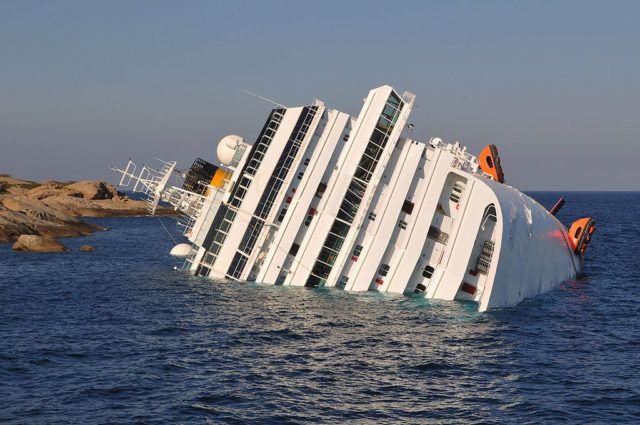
[(118, 336)]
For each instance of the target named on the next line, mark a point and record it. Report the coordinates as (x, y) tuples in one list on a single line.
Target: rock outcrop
[(91, 199), (49, 209), (87, 248), (34, 243), (14, 223)]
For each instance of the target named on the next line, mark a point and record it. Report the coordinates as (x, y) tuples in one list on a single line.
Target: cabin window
[(427, 272), (489, 162), (282, 213), (383, 270), (241, 192), (219, 237), (402, 224), (204, 271), (420, 288), (407, 207), (306, 161), (345, 138), (312, 212), (225, 226), (372, 216), (244, 182), (357, 250), (294, 249), (300, 174), (320, 190)]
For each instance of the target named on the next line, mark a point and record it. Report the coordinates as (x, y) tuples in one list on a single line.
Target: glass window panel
[(378, 138), (327, 256), (362, 174), (394, 100), (339, 228), (388, 112)]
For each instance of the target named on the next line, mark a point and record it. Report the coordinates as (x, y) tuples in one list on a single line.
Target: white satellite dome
[(181, 250), (227, 148)]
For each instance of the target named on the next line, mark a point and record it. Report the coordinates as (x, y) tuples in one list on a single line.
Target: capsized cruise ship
[(322, 198)]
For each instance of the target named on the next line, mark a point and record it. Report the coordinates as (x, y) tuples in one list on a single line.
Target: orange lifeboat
[(580, 234), (490, 163)]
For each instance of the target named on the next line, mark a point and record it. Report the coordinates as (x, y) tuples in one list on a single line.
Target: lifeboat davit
[(490, 163), (580, 234)]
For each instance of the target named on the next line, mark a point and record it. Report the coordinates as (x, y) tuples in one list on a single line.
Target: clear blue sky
[(554, 84)]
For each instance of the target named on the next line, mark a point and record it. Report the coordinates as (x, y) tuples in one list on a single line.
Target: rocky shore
[(51, 209)]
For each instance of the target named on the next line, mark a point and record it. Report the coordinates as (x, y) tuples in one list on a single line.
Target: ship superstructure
[(326, 199)]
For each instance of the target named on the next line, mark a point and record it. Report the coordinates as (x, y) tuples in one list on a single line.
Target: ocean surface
[(118, 337)]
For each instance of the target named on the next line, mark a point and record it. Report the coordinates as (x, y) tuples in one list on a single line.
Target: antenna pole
[(262, 97)]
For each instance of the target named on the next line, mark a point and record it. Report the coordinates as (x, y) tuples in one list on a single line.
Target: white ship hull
[(326, 199)]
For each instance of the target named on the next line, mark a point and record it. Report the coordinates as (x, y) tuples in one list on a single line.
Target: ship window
[(357, 250), (333, 242), (420, 288), (402, 224), (224, 226), (388, 111), (407, 207), (383, 270), (306, 161), (362, 174), (294, 249), (282, 214), (345, 138), (343, 281), (489, 162), (372, 216), (427, 272), (312, 212), (300, 174), (244, 182), (204, 271), (320, 191)]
